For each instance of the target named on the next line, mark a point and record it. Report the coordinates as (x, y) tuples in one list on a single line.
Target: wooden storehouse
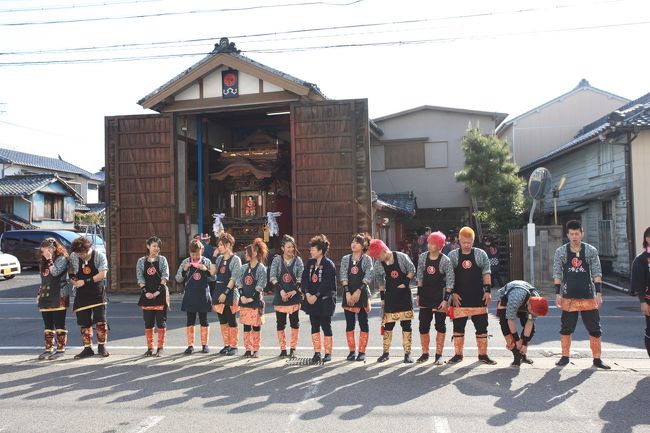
[(234, 137)]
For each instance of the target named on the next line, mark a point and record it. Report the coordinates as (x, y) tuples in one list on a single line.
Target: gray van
[(25, 244)]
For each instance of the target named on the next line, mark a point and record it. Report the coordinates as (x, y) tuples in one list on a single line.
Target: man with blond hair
[(470, 296)]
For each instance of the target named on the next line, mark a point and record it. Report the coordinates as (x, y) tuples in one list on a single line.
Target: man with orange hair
[(519, 300), (435, 276), (394, 271), (470, 295)]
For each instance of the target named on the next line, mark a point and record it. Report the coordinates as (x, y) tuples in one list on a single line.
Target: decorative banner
[(272, 224), (217, 226), (230, 83)]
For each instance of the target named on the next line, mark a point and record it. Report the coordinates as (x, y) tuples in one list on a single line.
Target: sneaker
[(562, 361), (46, 354), (88, 351), (149, 352), (189, 350), (316, 359), (225, 350), (383, 358), (327, 358), (159, 352), (283, 354), (455, 359), (351, 356), (101, 350), (248, 354), (361, 356), (526, 360), (292, 353), (407, 358), (205, 349), (598, 363), (232, 351), (423, 358), (437, 359), (486, 360), (56, 355), (254, 355)]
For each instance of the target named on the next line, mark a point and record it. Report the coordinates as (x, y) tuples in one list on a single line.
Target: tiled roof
[(96, 207), (232, 51), (402, 201), (30, 160), (16, 221), (22, 185), (627, 116)]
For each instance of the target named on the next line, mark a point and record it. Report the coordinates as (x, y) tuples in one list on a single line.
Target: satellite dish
[(539, 183)]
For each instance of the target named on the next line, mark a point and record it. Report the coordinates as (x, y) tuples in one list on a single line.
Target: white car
[(9, 266)]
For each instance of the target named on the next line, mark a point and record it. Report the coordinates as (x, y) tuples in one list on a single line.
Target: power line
[(166, 14), (76, 6), (288, 32), (332, 46)]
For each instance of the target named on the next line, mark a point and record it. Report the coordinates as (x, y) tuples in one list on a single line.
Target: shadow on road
[(623, 415)]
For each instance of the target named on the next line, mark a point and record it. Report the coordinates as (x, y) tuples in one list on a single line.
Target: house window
[(7, 204), (606, 229), (605, 158), (52, 207), (75, 186), (93, 193), (404, 155)]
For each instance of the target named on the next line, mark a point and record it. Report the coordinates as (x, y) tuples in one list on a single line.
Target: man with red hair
[(470, 295), (435, 277), (519, 299), (394, 271)]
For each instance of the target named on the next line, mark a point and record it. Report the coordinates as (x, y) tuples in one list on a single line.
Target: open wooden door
[(330, 168), (140, 193)]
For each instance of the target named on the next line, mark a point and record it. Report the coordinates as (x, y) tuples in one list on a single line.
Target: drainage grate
[(300, 362)]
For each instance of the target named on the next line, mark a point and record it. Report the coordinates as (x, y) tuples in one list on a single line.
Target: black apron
[(396, 299), (249, 282), (356, 274), (469, 281), (326, 302), (152, 279), (577, 275), (196, 298), (90, 293), (432, 291), (287, 282), (50, 290), (224, 274)]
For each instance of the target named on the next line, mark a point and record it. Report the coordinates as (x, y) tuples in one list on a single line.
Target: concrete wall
[(433, 187), (556, 123)]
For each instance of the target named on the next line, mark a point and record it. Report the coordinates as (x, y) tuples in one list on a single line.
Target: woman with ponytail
[(251, 284)]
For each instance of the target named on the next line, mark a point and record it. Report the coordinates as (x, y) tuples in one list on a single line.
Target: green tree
[(491, 177)]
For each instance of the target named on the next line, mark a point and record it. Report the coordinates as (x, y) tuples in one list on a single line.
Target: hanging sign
[(230, 83)]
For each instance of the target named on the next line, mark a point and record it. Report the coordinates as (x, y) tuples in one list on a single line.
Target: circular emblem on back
[(151, 271), (354, 270), (196, 276), (467, 264), (248, 280), (394, 274), (431, 270), (286, 278)]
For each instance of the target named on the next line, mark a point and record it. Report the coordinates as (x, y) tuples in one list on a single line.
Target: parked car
[(24, 244), (9, 266)]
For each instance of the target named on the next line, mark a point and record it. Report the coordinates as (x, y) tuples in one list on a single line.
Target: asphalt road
[(130, 394)]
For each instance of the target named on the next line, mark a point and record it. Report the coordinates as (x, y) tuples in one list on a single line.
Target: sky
[(505, 56)]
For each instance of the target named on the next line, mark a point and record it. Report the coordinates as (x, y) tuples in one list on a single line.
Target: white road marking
[(309, 348), (146, 424), (311, 391), (439, 424)]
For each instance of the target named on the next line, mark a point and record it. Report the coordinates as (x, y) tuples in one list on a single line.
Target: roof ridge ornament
[(225, 46)]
